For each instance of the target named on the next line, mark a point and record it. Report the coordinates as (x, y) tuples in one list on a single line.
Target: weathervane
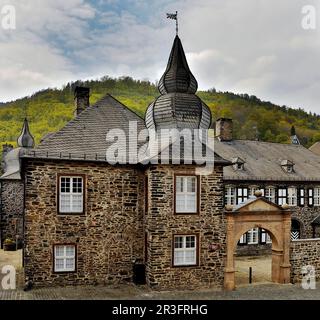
[(174, 16)]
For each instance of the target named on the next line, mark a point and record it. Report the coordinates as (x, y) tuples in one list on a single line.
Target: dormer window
[(287, 166), (238, 164)]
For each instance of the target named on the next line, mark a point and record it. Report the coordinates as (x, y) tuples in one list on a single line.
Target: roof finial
[(25, 140), (174, 16)]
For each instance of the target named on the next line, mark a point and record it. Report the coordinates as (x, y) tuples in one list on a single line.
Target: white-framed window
[(317, 196), (282, 196), (292, 197), (185, 250), (64, 258), (270, 194), (243, 239), (265, 237), (186, 194), (311, 197), (254, 189), (253, 236), (230, 195), (301, 197), (71, 195), (242, 195)]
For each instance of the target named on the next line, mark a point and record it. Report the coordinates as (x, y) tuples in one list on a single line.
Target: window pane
[(179, 184), (191, 184), (65, 202), (70, 251), (77, 203), (180, 203), (191, 205), (65, 184), (70, 264), (190, 257), (179, 258), (190, 242), (178, 242), (59, 264), (59, 251)]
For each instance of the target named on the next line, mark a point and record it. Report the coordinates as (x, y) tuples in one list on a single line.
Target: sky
[(257, 47)]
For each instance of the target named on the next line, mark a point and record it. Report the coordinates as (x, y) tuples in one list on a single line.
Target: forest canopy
[(50, 109)]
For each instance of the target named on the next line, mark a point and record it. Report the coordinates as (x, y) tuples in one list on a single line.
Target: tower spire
[(25, 140)]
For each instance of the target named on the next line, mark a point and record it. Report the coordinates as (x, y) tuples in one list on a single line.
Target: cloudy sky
[(246, 46)]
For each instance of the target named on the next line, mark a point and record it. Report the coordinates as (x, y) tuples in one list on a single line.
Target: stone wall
[(11, 211), (162, 225), (108, 238), (253, 250), (303, 253)]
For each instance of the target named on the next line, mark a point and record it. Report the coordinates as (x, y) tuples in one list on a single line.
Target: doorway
[(262, 214)]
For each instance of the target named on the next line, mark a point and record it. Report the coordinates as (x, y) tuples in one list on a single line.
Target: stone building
[(92, 220), (99, 211), (284, 173), (12, 188)]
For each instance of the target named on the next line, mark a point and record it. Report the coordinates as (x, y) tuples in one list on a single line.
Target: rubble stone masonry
[(162, 224), (303, 253), (11, 194), (109, 237)]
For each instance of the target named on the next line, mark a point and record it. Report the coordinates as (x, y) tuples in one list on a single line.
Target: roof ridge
[(123, 105), (268, 142)]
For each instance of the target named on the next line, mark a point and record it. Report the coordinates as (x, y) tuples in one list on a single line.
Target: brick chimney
[(224, 129), (81, 99)]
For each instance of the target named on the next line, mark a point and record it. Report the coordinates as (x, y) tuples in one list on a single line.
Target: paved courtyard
[(261, 269), (131, 292), (261, 289)]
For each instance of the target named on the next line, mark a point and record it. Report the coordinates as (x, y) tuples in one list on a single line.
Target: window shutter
[(243, 239), (276, 195), (246, 194), (287, 195), (263, 236), (301, 197), (310, 197)]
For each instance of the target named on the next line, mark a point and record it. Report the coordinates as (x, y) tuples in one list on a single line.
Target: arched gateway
[(259, 213)]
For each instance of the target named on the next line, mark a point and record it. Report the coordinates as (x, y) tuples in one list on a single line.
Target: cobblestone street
[(256, 291), (131, 292)]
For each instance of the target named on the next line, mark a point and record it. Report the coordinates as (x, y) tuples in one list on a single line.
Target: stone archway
[(260, 213)]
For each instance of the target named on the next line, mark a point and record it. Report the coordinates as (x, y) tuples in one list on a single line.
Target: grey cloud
[(248, 46)]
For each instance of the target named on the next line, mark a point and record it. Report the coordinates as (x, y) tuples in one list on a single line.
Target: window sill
[(186, 213), (71, 214), (64, 272), (196, 266)]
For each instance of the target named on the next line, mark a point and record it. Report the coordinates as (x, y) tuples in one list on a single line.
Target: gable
[(259, 204)]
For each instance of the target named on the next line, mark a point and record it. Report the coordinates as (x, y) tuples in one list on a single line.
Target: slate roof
[(84, 137), (185, 152), (263, 161), (315, 148), (177, 77), (178, 106)]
